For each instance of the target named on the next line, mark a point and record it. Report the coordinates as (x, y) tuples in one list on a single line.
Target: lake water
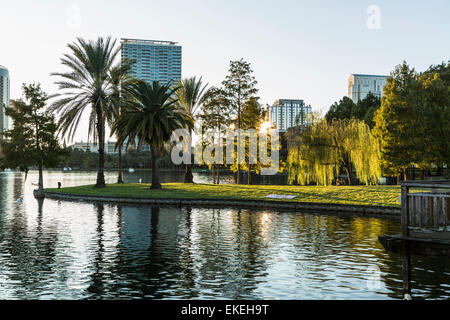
[(74, 250)]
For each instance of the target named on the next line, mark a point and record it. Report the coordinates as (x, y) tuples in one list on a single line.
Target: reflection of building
[(4, 98), (287, 113), (154, 60), (359, 85)]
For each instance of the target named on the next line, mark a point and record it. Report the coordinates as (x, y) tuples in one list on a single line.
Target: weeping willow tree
[(317, 152)]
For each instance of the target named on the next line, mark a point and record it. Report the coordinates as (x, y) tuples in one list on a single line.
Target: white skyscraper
[(359, 85), (287, 113)]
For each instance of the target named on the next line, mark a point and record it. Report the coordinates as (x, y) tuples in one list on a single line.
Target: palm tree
[(121, 82), (150, 117), (87, 86), (190, 95)]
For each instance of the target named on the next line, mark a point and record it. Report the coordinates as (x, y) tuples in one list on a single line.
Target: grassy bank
[(355, 195)]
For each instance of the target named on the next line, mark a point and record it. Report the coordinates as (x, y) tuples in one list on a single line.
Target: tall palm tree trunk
[(155, 174), (101, 150), (188, 177), (119, 166)]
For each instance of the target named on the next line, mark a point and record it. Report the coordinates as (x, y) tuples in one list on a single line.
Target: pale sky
[(297, 49)]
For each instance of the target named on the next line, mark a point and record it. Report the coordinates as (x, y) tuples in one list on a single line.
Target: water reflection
[(64, 250)]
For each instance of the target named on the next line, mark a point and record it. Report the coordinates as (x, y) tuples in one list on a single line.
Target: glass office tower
[(154, 60), (288, 113)]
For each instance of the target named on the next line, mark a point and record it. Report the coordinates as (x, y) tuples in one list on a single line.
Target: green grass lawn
[(357, 195)]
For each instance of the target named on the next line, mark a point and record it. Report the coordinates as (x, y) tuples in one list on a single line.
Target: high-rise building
[(359, 86), (154, 60), (4, 98), (285, 113)]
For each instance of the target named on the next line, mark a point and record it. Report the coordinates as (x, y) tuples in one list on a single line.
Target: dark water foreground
[(65, 250)]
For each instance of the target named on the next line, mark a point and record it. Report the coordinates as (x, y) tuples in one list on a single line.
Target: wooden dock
[(425, 218), (423, 243)]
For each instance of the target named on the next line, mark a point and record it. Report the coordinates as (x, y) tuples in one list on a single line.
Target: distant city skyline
[(296, 48)]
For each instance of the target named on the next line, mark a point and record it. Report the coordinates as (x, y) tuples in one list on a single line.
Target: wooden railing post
[(405, 211), (406, 271)]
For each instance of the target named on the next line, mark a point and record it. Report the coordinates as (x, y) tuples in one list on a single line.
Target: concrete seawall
[(280, 205)]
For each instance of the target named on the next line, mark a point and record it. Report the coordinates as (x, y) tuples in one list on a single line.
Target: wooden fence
[(425, 210)]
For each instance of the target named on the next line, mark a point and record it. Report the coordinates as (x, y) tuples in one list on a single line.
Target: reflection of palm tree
[(97, 282), (154, 267), (186, 261), (154, 221)]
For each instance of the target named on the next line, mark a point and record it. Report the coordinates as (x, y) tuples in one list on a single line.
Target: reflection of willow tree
[(317, 152)]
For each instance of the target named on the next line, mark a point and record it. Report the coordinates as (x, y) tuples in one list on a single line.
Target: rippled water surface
[(66, 250)]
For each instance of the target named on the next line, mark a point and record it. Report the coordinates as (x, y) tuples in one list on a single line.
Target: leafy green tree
[(190, 95), (252, 119), (150, 116), (252, 114), (239, 86), (364, 109), (341, 110), (435, 84), (32, 140), (398, 123), (318, 151), (87, 86), (215, 118)]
